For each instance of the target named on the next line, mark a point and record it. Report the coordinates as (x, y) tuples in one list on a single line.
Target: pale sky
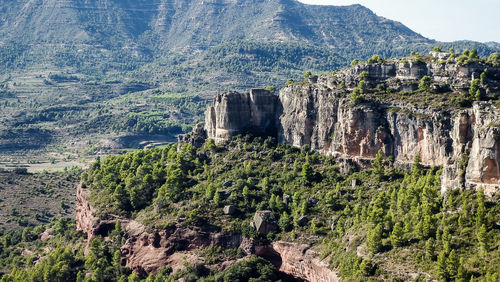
[(443, 20)]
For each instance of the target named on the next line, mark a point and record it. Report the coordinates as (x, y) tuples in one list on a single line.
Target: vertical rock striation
[(464, 142), (234, 113)]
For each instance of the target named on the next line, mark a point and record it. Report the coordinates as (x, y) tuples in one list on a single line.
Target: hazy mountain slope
[(44, 30)]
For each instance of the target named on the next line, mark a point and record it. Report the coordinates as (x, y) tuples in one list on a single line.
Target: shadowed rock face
[(298, 261), (315, 114)]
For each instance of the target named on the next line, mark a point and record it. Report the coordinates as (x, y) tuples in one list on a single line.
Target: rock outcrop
[(194, 138), (264, 222), (88, 222), (317, 114), (148, 251), (299, 261), (234, 113)]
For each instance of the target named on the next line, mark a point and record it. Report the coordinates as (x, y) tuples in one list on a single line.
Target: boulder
[(264, 222), (286, 199), (229, 209)]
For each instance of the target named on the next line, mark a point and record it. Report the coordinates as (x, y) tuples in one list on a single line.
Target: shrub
[(494, 59), (425, 84), (375, 59)]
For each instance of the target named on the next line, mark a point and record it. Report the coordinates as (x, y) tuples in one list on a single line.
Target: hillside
[(387, 170), (80, 78), (213, 213)]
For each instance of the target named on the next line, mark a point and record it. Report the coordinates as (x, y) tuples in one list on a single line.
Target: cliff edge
[(391, 115)]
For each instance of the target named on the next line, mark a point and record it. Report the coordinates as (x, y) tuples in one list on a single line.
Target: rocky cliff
[(299, 261), (464, 141), (234, 113), (147, 251)]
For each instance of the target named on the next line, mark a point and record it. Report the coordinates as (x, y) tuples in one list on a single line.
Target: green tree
[(461, 271), (271, 89), (481, 208), (474, 87), (122, 198), (397, 234), (452, 263), (217, 199), (483, 77), (494, 59), (363, 75), (378, 166), (425, 84), (442, 269), (416, 168), (428, 227), (375, 59), (290, 81), (354, 62), (429, 249), (446, 240), (246, 193), (473, 54), (374, 239), (482, 238), (284, 222), (307, 172), (436, 49)]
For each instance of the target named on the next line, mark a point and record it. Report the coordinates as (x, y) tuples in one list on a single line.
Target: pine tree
[(442, 266), (284, 222), (461, 272), (481, 236), (374, 239), (122, 198), (481, 209), (416, 167), (307, 172), (246, 193), (474, 87), (217, 199), (452, 264), (425, 84), (429, 249), (397, 234), (378, 166), (428, 227), (446, 240)]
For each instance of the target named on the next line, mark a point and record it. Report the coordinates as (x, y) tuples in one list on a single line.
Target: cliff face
[(464, 142), (332, 126), (234, 113), (298, 261)]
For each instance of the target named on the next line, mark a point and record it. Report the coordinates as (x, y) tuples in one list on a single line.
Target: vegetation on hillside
[(387, 214), (378, 223)]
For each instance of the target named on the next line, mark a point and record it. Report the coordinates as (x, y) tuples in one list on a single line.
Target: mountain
[(94, 76)]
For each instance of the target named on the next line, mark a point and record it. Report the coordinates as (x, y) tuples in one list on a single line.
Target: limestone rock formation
[(317, 113), (299, 261), (194, 138), (264, 222), (147, 251), (234, 113)]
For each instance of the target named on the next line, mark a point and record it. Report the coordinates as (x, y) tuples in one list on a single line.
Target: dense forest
[(392, 222)]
